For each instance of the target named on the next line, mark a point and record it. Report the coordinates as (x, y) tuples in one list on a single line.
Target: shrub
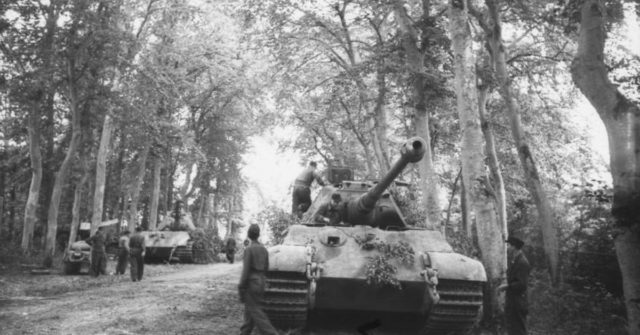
[(277, 221), (564, 310), (206, 245)]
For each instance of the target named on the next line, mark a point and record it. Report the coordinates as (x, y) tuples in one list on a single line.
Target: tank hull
[(167, 246), (294, 289), (355, 294)]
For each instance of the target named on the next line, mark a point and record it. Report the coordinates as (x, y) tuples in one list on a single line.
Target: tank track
[(185, 253), (458, 310), (286, 299)]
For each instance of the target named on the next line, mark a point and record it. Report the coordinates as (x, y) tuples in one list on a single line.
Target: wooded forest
[(116, 109)]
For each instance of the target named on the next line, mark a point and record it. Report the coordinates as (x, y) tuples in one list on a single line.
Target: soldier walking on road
[(98, 253), (136, 254), (301, 196), (123, 253), (230, 249), (252, 283), (516, 306)]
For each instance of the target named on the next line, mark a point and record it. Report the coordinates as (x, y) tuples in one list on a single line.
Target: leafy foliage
[(565, 310), (206, 244), (379, 270), (278, 222), (410, 205), (592, 261)]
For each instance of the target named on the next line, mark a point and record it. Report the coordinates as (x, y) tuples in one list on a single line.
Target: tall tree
[(140, 169), (497, 181), (101, 173), (621, 118), (416, 43), (493, 31), (155, 194), (481, 194), (30, 215), (31, 51), (63, 172)]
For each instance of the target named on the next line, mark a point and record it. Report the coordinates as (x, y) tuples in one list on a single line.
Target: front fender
[(288, 258), (456, 266)]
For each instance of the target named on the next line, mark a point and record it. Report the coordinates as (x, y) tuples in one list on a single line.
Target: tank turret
[(361, 211)]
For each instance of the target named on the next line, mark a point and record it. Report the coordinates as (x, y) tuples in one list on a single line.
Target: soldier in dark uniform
[(230, 249), (123, 253), (136, 254), (251, 287), (301, 189), (98, 253), (331, 212), (177, 215), (516, 306)]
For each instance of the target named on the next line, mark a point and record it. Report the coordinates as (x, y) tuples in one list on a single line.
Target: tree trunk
[(2, 192), (170, 171), (467, 219), (136, 186), (155, 195), (494, 164), (211, 222), (184, 189), (476, 182), (532, 178), (381, 148), (415, 61), (101, 173), (48, 170), (454, 189), (621, 118), (34, 127), (63, 173), (30, 211), (2, 221), (12, 214), (77, 202), (124, 190)]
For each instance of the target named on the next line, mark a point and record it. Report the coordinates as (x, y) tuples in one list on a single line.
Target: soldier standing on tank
[(252, 282), (98, 253), (230, 249), (301, 189), (136, 254), (123, 253), (516, 306)]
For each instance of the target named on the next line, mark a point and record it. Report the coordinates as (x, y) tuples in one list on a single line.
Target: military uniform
[(302, 192), (251, 289), (98, 254), (230, 249), (123, 254), (331, 212), (516, 304), (136, 257)]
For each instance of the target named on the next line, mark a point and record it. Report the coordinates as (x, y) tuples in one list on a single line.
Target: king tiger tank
[(172, 241), (328, 268)]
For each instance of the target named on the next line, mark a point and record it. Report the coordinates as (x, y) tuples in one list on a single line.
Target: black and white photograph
[(320, 167)]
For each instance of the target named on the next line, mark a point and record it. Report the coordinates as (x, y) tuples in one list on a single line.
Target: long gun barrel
[(358, 211)]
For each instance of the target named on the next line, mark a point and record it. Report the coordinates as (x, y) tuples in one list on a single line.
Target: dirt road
[(171, 299)]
